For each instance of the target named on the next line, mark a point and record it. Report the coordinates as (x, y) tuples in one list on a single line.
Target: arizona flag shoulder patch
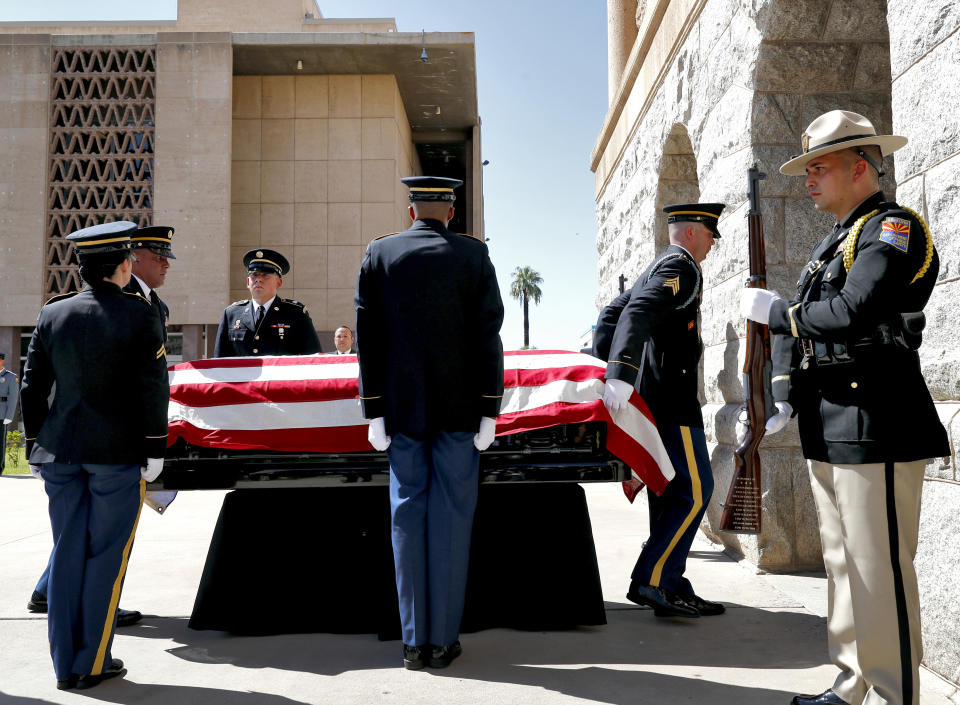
[(896, 233)]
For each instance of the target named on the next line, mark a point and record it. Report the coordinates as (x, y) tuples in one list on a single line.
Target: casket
[(295, 420)]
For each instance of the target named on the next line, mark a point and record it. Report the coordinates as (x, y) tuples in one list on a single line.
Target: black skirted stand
[(319, 560)]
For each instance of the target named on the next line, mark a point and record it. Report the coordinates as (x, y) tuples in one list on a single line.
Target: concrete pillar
[(193, 347), (621, 33)]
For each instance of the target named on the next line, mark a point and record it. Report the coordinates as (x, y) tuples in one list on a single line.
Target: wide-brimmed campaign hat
[(836, 130)]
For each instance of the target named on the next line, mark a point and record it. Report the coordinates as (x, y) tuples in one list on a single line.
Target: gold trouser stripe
[(115, 595), (697, 503)]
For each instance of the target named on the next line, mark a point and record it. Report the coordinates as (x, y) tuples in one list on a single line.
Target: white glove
[(151, 471), (779, 420), (7, 422), (755, 304), (35, 471), (377, 434), (616, 394), (774, 423), (484, 437)]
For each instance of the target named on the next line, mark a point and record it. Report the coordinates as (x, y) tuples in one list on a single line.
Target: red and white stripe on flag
[(309, 403)]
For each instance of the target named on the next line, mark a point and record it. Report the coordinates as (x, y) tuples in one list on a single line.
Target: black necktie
[(259, 316), (155, 300)]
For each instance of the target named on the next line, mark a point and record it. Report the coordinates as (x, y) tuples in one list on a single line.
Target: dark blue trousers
[(433, 494), (675, 515), (94, 511)]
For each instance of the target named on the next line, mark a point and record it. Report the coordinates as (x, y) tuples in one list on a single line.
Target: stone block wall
[(738, 86), (317, 162), (925, 70)]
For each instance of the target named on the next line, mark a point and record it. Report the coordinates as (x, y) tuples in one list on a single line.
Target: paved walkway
[(770, 644)]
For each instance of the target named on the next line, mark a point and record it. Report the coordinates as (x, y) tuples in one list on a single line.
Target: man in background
[(9, 393), (343, 341)]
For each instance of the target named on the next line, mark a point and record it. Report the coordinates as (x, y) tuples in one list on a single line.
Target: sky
[(542, 94)]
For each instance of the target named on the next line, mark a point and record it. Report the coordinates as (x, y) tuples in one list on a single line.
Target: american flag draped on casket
[(310, 403)]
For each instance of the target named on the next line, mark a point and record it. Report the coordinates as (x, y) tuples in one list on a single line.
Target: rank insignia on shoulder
[(896, 233), (673, 285)]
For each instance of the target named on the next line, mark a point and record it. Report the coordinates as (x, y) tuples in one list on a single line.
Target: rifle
[(742, 510)]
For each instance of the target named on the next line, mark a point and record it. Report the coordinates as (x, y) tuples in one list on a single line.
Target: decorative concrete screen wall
[(712, 87), (317, 162), (100, 150)]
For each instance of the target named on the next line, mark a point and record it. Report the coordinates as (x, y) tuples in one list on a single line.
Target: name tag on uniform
[(896, 233)]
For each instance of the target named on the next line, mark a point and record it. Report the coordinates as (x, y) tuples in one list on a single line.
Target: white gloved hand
[(616, 395), (755, 304), (774, 423), (151, 471), (35, 471), (779, 420), (377, 434), (484, 437), (7, 422)]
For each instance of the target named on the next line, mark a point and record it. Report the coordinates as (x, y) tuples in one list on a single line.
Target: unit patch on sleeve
[(895, 232)]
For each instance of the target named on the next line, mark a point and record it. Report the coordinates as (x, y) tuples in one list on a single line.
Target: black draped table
[(293, 560)]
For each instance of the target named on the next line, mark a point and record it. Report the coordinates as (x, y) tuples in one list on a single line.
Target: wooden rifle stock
[(742, 509)]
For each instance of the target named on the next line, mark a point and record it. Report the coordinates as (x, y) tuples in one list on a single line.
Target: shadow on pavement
[(615, 663)]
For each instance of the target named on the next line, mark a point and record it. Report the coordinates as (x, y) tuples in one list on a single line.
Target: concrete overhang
[(447, 81)]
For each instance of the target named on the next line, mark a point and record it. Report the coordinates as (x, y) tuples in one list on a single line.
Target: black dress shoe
[(827, 697), (127, 618), (115, 670), (704, 608), (68, 683), (414, 657), (664, 603), (443, 656), (38, 603)]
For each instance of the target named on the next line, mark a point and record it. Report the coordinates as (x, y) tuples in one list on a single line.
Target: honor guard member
[(9, 392), (265, 324), (846, 362), (98, 443), (650, 338), (152, 249), (432, 408)]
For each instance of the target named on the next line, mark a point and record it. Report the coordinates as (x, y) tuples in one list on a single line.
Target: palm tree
[(525, 286)]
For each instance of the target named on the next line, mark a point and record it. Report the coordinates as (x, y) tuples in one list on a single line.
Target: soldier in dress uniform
[(265, 324), (153, 250), (846, 362), (432, 408), (96, 445), (650, 338), (9, 392)]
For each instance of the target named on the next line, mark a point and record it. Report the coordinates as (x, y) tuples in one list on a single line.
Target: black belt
[(827, 353), (3, 398)]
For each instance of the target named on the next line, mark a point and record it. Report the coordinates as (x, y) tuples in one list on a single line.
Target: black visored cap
[(264, 260), (431, 188), (706, 213), (104, 239), (155, 238)]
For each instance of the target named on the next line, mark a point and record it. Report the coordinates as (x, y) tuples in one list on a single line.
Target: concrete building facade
[(700, 90), (240, 124)]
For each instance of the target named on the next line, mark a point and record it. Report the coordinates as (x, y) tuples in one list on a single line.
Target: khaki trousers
[(869, 526)]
